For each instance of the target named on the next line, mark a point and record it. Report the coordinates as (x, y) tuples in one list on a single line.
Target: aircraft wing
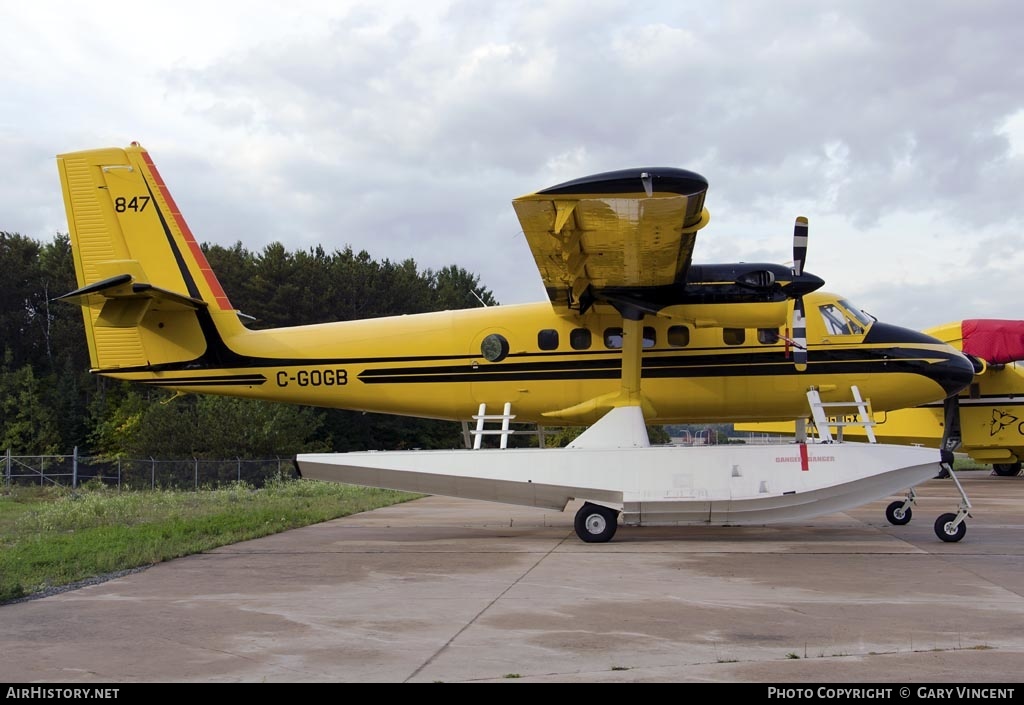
[(621, 230)]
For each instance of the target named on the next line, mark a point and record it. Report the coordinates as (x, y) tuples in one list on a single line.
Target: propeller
[(799, 319), (799, 245)]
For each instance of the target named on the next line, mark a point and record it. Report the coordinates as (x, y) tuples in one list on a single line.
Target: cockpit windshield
[(843, 318)]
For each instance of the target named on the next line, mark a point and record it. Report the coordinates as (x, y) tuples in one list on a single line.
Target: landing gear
[(1006, 469), (950, 527), (596, 524), (899, 513)]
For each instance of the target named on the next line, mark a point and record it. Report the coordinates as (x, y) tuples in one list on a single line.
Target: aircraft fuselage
[(445, 364)]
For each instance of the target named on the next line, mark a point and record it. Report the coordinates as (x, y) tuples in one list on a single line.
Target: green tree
[(27, 425), (354, 430), (230, 426), (206, 426), (61, 327), (456, 288), (116, 414), (19, 298)]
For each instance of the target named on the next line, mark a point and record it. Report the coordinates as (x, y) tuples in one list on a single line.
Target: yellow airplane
[(714, 337), (988, 414), (633, 332)]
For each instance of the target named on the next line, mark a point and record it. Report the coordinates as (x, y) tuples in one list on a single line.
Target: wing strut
[(629, 393), (632, 349), (624, 423)]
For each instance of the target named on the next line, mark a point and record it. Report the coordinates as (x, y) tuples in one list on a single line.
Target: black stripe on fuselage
[(207, 381), (702, 358), (657, 368), (738, 364)]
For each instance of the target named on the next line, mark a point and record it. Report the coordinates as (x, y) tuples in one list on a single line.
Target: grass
[(51, 536), (966, 463)]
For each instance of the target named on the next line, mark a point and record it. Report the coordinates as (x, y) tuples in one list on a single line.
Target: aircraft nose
[(954, 373), (943, 364)]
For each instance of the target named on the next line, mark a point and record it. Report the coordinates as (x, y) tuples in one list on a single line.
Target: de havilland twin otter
[(633, 333)]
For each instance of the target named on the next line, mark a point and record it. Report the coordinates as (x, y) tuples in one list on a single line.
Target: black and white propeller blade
[(799, 245), (800, 231), (799, 335)]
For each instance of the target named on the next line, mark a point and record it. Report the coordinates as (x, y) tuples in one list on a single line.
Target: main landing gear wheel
[(945, 530), (1006, 469), (596, 524), (897, 515)]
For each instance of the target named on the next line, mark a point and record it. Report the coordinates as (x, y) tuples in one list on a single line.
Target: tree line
[(50, 403)]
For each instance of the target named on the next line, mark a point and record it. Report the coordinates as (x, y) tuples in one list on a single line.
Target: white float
[(613, 469)]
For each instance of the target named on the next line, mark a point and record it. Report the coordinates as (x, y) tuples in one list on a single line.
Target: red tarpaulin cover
[(992, 340)]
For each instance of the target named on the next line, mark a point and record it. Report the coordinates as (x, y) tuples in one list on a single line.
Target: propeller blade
[(799, 245), (800, 231), (799, 335)]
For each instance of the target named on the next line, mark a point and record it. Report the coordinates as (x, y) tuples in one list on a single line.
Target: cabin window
[(852, 311), (839, 322), (678, 336), (580, 339), (547, 339), (650, 337), (494, 348), (734, 336), (613, 338), (767, 336)]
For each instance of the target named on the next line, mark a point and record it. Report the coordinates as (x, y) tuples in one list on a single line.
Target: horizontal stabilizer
[(126, 301), (124, 286)]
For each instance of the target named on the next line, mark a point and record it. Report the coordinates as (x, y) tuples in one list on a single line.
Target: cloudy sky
[(406, 128)]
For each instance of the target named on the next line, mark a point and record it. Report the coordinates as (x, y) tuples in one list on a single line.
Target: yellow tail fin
[(141, 274)]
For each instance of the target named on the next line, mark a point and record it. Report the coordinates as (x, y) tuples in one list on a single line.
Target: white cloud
[(406, 129)]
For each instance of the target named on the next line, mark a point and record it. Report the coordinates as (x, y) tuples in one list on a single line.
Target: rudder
[(141, 274)]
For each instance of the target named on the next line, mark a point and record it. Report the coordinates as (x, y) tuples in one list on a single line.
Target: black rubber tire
[(942, 530), (1006, 469), (596, 524), (897, 515)]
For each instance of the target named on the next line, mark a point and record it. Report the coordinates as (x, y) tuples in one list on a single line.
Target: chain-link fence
[(190, 473)]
